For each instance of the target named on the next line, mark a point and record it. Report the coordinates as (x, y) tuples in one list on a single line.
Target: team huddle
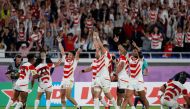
[(128, 74)]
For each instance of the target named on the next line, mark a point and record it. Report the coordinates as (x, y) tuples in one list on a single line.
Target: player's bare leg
[(68, 96), (48, 102), (110, 97), (128, 99), (120, 97), (37, 101), (142, 95), (13, 99), (92, 92), (63, 95), (23, 96), (97, 92), (102, 100)]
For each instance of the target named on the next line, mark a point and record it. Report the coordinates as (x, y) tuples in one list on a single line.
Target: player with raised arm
[(94, 68), (70, 64), (21, 85), (102, 81), (173, 89), (122, 74), (45, 82), (136, 82)]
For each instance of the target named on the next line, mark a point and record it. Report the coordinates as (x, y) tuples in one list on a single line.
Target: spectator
[(170, 28), (125, 18), (37, 37), (24, 50), (187, 39), (69, 41), (48, 40), (146, 45), (12, 49), (3, 48), (8, 37), (179, 40), (156, 40), (168, 48)]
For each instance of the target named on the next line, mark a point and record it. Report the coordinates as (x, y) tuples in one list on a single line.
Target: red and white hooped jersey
[(34, 37), (110, 66), (153, 15), (156, 41), (94, 69), (69, 68), (37, 37), (135, 67), (179, 38), (173, 90), (123, 75), (24, 73), (103, 64), (187, 37), (43, 70)]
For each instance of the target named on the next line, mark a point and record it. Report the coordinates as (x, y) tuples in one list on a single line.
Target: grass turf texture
[(84, 107)]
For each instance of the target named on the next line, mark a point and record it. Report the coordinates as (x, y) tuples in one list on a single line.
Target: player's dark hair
[(106, 46), (30, 57), (73, 52), (182, 77)]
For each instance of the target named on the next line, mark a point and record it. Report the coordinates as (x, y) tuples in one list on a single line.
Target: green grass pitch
[(84, 107)]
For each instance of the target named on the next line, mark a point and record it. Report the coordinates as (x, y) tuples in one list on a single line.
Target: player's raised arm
[(135, 45), (59, 39), (118, 70), (120, 47), (95, 42), (97, 39), (78, 54), (58, 62)]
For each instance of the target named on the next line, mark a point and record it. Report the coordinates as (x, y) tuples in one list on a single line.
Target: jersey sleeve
[(122, 58), (184, 92), (51, 65), (108, 55)]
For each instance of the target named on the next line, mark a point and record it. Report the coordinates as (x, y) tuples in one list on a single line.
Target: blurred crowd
[(155, 25)]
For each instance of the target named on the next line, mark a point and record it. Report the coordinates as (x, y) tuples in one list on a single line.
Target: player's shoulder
[(122, 57), (26, 64)]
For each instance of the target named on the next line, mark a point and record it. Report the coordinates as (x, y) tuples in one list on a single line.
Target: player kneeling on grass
[(21, 85), (44, 67), (94, 69), (70, 64), (172, 90)]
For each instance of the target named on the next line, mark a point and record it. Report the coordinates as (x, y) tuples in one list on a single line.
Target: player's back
[(173, 90), (43, 69), (24, 73)]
